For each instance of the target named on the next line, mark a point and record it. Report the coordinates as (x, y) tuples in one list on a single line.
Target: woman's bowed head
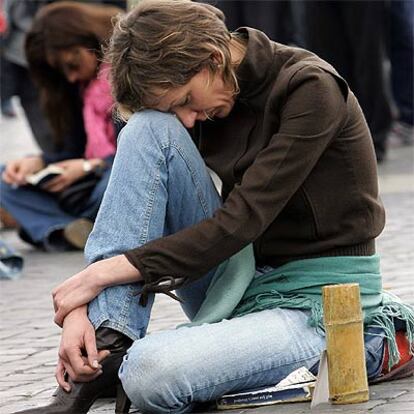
[(155, 64)]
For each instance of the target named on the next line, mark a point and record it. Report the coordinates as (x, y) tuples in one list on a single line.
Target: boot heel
[(122, 403)]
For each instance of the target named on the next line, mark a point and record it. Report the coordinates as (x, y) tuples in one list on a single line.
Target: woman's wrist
[(93, 164), (37, 162), (76, 313), (116, 270)]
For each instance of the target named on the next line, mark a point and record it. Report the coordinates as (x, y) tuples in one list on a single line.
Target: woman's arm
[(81, 288), (73, 170), (17, 170)]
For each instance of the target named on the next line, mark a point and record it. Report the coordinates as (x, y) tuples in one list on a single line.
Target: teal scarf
[(298, 285)]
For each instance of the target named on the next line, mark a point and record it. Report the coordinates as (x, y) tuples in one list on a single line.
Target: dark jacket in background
[(275, 18), (351, 35)]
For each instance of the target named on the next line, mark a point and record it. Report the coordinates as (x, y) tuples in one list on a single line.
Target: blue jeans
[(39, 214), (159, 185)]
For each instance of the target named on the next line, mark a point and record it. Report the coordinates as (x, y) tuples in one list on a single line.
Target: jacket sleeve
[(314, 112)]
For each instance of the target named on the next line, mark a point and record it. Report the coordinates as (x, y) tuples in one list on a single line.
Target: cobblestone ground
[(29, 339)]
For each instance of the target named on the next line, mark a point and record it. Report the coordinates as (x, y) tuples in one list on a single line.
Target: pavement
[(29, 339)]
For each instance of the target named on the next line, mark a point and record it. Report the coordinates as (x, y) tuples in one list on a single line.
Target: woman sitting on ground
[(64, 50), (299, 209)]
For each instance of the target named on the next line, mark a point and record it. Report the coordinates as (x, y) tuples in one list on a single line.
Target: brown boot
[(77, 232), (83, 394)]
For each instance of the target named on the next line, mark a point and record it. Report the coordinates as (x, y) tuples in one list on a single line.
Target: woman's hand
[(81, 288), (76, 291), (72, 171), (78, 339), (16, 171)]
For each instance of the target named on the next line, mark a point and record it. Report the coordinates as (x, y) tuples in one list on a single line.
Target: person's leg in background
[(366, 25), (7, 87), (324, 33), (350, 36), (272, 17), (402, 68)]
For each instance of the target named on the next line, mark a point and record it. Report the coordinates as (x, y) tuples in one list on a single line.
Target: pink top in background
[(97, 117)]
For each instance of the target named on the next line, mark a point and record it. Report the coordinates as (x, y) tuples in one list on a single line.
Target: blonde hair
[(162, 44)]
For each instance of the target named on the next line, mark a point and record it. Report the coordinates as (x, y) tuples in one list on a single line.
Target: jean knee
[(158, 125), (154, 382)]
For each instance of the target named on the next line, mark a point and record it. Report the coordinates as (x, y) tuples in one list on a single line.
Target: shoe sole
[(77, 232), (404, 371)]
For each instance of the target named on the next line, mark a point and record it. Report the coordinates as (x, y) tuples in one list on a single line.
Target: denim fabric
[(159, 185), (38, 211), (172, 371)]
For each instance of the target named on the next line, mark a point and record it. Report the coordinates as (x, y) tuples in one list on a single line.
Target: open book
[(297, 386), (45, 175)]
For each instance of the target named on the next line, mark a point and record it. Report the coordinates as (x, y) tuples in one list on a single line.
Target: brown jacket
[(298, 168)]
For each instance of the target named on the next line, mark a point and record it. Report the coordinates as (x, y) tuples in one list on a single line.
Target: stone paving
[(29, 339)]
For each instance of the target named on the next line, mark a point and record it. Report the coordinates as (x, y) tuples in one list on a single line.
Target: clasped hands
[(74, 292), (78, 355)]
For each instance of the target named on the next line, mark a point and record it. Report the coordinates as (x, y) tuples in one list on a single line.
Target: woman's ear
[(217, 58)]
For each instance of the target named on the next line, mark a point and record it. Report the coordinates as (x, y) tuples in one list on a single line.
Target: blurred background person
[(15, 79), (402, 62), (64, 49), (6, 104), (351, 35), (275, 18), (354, 36)]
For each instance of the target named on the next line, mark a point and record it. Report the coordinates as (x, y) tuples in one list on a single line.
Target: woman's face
[(198, 99), (77, 63)]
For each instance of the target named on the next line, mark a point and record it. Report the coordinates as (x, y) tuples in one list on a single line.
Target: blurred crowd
[(370, 43), (51, 59)]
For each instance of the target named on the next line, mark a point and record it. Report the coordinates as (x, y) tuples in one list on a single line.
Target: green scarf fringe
[(379, 308)]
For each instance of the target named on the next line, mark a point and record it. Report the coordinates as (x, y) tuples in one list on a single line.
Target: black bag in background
[(74, 199)]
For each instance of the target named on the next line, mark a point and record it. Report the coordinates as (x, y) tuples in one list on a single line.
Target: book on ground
[(45, 175), (297, 386)]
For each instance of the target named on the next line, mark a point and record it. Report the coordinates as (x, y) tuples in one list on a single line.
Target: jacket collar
[(257, 69)]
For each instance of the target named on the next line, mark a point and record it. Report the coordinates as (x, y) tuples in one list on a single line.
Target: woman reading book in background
[(299, 209), (64, 51)]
